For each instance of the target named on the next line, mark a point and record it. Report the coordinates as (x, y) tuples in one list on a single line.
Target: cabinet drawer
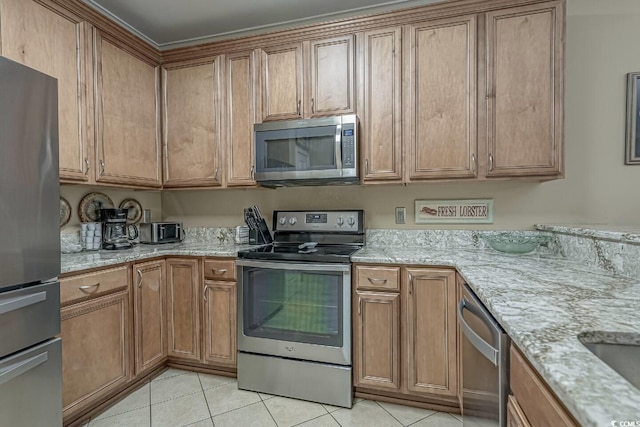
[(96, 283), (386, 278), (220, 269), (539, 405)]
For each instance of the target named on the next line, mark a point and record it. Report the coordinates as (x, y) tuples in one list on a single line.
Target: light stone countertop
[(75, 262), (544, 303), (614, 233)]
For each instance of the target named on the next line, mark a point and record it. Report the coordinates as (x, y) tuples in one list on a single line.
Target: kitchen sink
[(622, 358)]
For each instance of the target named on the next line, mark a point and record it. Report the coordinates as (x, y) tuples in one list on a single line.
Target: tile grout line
[(383, 408), (268, 411), (421, 419), (314, 418), (205, 396), (334, 418)]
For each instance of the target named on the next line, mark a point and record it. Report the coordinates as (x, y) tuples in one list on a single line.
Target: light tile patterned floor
[(180, 398)]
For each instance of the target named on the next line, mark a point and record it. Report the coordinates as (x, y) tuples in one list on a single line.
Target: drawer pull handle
[(21, 301), (220, 272), (90, 289), (377, 281), (204, 292), (19, 368), (139, 277)]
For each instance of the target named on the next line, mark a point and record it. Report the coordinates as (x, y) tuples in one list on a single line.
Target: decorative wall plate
[(91, 203), (65, 212), (134, 214)]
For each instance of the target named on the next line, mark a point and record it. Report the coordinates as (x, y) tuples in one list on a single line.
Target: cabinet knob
[(490, 162), (139, 277)]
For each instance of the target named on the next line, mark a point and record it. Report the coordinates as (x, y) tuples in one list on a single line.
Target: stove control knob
[(282, 220), (340, 221), (293, 220), (351, 221)]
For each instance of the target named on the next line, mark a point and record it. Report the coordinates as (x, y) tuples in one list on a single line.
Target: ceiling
[(170, 23)]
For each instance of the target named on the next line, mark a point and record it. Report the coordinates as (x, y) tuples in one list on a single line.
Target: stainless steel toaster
[(161, 232)]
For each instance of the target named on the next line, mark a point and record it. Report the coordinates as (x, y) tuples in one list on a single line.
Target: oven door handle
[(299, 266), (476, 340)]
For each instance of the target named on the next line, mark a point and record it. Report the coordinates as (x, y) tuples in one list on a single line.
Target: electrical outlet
[(401, 214)]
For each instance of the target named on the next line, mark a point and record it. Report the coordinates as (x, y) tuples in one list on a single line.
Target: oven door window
[(297, 149), (297, 306)]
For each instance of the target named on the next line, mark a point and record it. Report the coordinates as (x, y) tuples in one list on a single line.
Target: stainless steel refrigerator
[(30, 355)]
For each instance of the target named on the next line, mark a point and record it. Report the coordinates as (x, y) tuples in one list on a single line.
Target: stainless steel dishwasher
[(485, 364)]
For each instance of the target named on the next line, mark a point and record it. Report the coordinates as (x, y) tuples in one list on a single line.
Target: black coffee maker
[(116, 233)]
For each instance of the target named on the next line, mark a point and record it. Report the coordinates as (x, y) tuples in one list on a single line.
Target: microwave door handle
[(339, 147)]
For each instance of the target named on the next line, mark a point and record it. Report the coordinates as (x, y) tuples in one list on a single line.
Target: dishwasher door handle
[(476, 340)]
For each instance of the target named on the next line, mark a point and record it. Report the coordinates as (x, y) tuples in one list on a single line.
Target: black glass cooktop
[(319, 253)]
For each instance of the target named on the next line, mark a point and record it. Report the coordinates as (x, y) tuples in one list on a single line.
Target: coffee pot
[(116, 233)]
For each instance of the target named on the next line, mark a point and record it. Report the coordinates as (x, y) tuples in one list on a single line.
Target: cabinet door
[(58, 44), (441, 138), (282, 82), (331, 83), (380, 65), (95, 350), (430, 334), (240, 116), (183, 308), (192, 131), (524, 90), (127, 116), (149, 294), (219, 317), (377, 340)]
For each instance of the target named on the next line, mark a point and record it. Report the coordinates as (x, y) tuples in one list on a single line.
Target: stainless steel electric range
[(294, 307)]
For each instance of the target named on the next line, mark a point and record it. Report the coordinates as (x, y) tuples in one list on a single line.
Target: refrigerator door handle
[(21, 301), (17, 369)]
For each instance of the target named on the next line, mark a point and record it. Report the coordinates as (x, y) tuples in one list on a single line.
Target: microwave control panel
[(348, 146)]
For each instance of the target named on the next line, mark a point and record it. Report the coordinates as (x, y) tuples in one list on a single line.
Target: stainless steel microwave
[(307, 152)]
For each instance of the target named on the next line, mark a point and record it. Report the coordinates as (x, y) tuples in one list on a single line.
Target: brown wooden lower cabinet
[(532, 403), (377, 340), (183, 308), (202, 313), (96, 350), (149, 294), (430, 334), (219, 323), (405, 343)]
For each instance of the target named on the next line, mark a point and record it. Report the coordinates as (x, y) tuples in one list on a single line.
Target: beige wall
[(74, 193), (601, 48)]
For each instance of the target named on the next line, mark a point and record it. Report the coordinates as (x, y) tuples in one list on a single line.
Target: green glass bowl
[(515, 243)]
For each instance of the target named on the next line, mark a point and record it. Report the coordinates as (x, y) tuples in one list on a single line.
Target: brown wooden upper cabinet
[(309, 79), (440, 79), (56, 43), (192, 124), (127, 116), (240, 116), (380, 104), (524, 94)]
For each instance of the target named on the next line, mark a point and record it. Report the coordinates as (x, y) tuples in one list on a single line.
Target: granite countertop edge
[(542, 302)]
